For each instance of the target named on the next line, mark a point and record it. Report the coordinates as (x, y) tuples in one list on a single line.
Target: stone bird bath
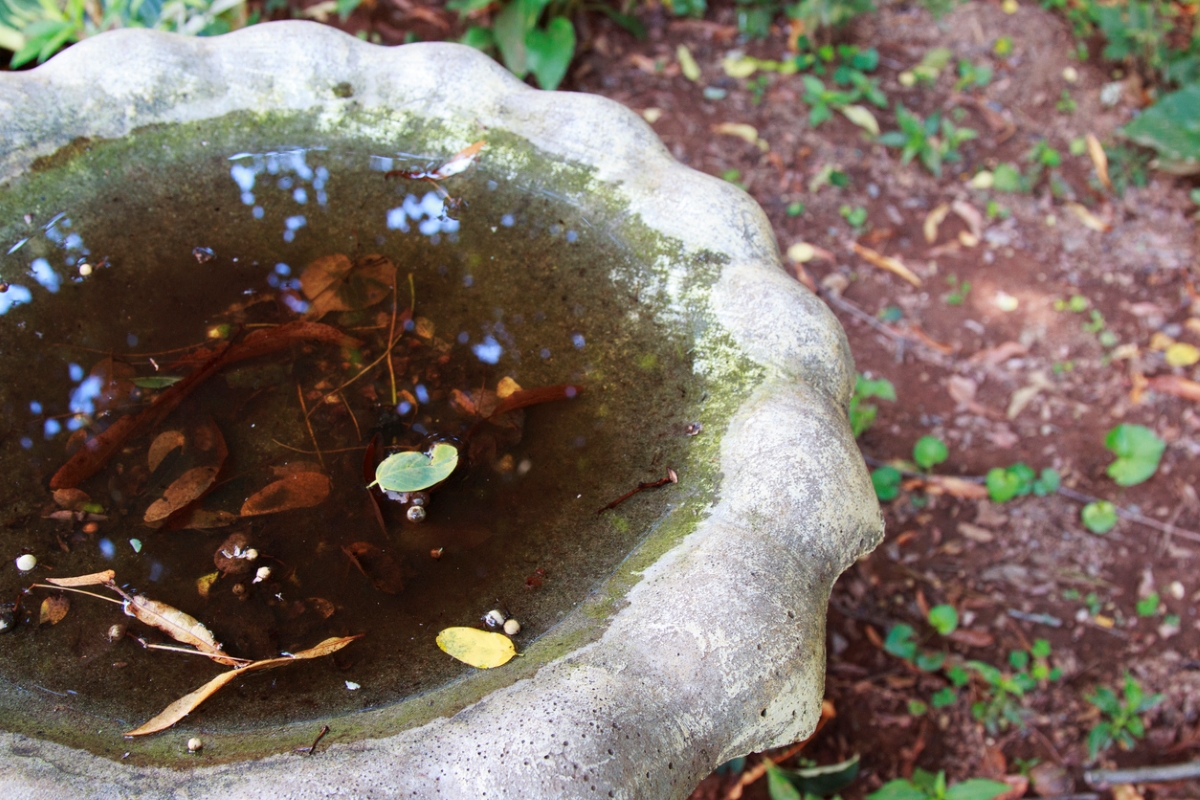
[(705, 640)]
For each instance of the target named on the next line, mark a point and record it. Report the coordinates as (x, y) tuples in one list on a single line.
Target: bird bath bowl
[(157, 190)]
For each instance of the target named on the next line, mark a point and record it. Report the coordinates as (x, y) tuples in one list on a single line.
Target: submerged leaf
[(379, 567), (414, 471), (459, 161), (189, 702), (180, 626), (186, 489), (95, 579), (162, 445), (53, 609), (482, 649), (296, 490), (335, 283)]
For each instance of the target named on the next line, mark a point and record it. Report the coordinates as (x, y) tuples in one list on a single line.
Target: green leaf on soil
[(944, 619), (414, 471), (929, 451), (1099, 517), (886, 481), (1172, 128), (1138, 452)]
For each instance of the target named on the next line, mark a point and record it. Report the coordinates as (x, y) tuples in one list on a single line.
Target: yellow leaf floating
[(482, 649), (1182, 355)]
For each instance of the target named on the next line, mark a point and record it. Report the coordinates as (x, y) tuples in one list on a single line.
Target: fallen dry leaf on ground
[(933, 220), (1099, 159), (892, 265), (1173, 384)]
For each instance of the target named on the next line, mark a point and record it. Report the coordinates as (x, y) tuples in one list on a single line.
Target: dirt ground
[(1001, 377)]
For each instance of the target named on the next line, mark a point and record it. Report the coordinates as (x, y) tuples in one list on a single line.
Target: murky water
[(137, 266)]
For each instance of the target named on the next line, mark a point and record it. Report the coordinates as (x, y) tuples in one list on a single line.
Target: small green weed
[(886, 481), (810, 781), (856, 216), (927, 786), (1019, 480), (929, 451), (1148, 605), (1000, 703), (972, 76), (918, 138), (1124, 723), (862, 415), (1099, 516), (1138, 451), (958, 291)]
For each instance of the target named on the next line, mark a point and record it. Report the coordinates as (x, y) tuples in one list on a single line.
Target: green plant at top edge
[(1122, 721), (37, 29), (927, 786)]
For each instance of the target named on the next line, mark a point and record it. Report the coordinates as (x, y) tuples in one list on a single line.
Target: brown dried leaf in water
[(180, 626), (189, 702), (53, 609), (95, 579), (297, 490), (335, 283), (71, 499), (163, 444), (321, 606), (294, 467), (379, 567), (264, 341), (95, 452), (229, 558), (186, 489), (201, 519)]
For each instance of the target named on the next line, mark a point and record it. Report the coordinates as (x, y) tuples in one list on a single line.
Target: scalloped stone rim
[(719, 649)]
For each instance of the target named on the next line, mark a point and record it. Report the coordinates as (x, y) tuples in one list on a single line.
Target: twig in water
[(391, 338), (353, 418), (671, 478), (314, 452), (313, 748), (362, 372), (308, 423)]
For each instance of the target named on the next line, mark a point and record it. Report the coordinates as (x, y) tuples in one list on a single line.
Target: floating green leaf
[(1100, 516), (1138, 452), (482, 649), (413, 471)]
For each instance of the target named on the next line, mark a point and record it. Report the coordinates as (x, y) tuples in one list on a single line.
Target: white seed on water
[(195, 745), (26, 562), (494, 618), (85, 269), (250, 555), (116, 632), (512, 627), (262, 574), (415, 514)]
